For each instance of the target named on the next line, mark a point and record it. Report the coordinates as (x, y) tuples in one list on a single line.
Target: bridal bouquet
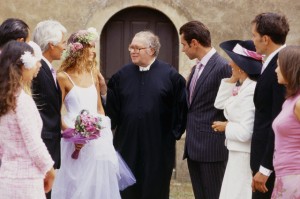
[(87, 127)]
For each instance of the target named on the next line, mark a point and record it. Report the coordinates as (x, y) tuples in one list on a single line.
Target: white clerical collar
[(270, 57), (206, 58), (47, 62), (147, 67)]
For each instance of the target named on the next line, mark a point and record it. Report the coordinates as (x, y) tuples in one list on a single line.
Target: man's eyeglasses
[(137, 50)]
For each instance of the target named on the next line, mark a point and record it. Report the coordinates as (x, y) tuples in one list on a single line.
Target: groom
[(50, 36)]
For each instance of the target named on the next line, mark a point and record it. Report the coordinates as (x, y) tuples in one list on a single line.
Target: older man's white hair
[(48, 31), (151, 39)]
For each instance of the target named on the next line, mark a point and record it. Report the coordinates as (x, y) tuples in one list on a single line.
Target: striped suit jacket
[(202, 143)]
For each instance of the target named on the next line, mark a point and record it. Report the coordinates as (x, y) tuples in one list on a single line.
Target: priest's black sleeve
[(112, 106), (179, 111)]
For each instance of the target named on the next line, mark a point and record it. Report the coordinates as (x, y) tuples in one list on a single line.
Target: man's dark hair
[(13, 29), (273, 25), (196, 30)]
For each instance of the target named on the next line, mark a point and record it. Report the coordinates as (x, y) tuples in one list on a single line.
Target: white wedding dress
[(95, 173)]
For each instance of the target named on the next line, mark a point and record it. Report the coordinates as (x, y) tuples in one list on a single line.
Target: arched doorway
[(119, 30)]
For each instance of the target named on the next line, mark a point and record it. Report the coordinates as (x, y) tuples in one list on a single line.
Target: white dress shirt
[(270, 57)]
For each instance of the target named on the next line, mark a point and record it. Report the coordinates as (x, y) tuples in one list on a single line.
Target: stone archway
[(119, 30), (100, 17)]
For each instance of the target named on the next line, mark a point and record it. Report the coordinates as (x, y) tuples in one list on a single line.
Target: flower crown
[(28, 59), (89, 36)]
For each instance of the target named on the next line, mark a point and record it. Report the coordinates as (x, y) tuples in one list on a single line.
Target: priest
[(146, 101)]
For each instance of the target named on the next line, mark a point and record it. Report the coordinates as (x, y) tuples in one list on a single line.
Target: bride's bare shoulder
[(61, 76)]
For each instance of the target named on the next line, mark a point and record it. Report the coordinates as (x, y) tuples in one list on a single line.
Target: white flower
[(92, 30), (28, 60), (94, 35)]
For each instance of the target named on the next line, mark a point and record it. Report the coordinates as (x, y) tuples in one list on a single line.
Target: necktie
[(194, 80), (54, 75)]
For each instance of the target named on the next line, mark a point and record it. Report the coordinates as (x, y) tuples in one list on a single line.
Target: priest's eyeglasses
[(135, 49)]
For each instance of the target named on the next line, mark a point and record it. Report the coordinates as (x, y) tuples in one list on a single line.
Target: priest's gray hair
[(151, 39), (48, 31)]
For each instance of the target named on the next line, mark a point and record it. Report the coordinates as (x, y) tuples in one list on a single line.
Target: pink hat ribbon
[(238, 49)]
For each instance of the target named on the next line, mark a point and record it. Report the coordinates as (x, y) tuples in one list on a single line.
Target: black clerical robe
[(148, 110)]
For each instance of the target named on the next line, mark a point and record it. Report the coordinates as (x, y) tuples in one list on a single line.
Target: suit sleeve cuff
[(265, 171), (103, 98)]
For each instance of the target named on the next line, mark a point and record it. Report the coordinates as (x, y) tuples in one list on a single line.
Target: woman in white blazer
[(235, 97)]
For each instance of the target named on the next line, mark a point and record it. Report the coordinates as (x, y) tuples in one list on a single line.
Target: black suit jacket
[(202, 143), (268, 100), (48, 100)]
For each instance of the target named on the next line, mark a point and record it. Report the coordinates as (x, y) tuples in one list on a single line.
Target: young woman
[(26, 166), (287, 127), (95, 174), (235, 97)]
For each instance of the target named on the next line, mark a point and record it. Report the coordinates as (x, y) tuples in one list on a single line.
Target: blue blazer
[(202, 143)]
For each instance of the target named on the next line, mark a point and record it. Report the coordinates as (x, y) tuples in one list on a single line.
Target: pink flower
[(76, 46), (235, 90)]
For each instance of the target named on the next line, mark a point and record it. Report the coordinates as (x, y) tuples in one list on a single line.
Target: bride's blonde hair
[(76, 56)]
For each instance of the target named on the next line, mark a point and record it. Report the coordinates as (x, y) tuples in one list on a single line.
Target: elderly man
[(50, 36), (146, 102)]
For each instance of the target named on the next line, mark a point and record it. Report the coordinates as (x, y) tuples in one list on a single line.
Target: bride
[(96, 172)]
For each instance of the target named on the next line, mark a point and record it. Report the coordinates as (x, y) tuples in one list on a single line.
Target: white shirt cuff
[(265, 171)]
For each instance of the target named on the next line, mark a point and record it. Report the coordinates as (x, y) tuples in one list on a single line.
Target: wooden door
[(120, 29)]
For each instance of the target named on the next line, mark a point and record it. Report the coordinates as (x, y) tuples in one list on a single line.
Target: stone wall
[(226, 19)]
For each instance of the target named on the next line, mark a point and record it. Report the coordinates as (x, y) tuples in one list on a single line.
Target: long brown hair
[(11, 74), (289, 63)]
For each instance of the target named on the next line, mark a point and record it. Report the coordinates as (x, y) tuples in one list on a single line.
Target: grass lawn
[(181, 190)]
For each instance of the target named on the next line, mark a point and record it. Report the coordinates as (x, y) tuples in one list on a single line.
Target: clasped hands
[(219, 126), (259, 183)]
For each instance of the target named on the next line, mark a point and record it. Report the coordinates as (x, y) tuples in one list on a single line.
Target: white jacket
[(239, 111)]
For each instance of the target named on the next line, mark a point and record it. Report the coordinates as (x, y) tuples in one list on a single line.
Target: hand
[(102, 84), (78, 146), (259, 182), (233, 79), (48, 180), (219, 126)]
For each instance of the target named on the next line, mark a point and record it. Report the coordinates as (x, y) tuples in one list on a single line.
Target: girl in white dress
[(96, 172)]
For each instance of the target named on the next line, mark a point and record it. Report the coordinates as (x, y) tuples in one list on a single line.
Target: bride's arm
[(99, 103), (61, 78)]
